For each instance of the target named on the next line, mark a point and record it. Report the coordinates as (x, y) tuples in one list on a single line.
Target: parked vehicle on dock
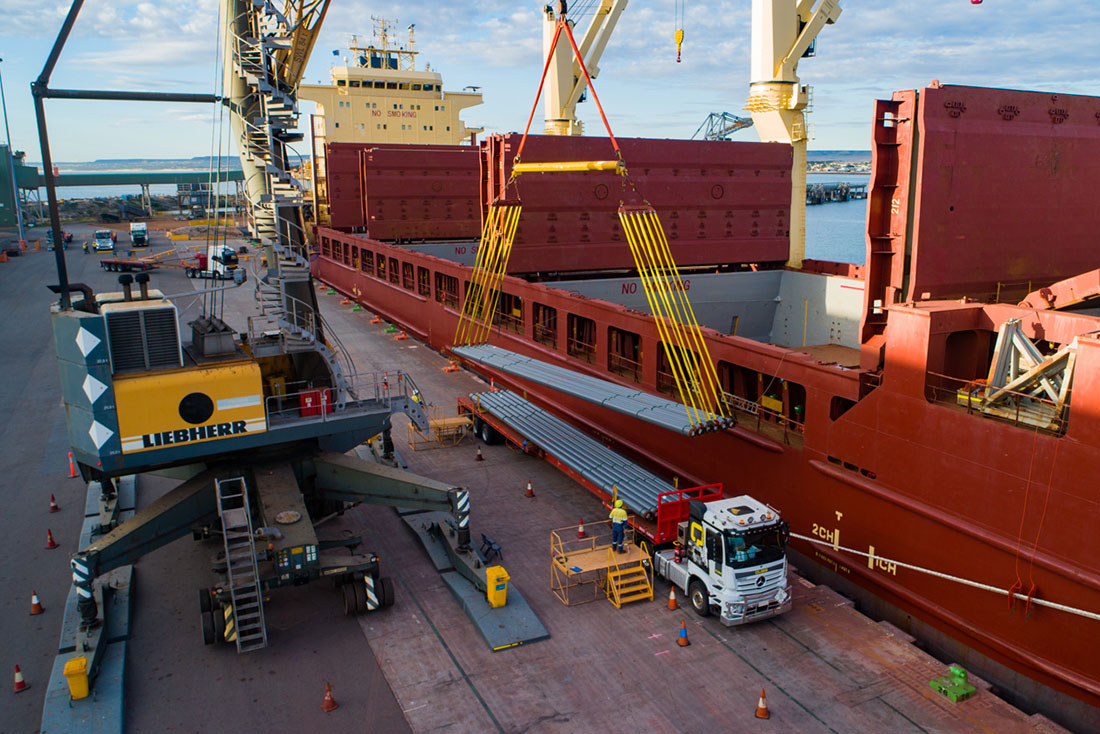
[(731, 560), (104, 241)]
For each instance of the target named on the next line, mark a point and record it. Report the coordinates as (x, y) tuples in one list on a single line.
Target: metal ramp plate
[(512, 625), (599, 465), (611, 395)]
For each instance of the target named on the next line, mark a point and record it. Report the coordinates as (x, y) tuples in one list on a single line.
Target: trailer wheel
[(700, 598), (385, 592), (207, 628), (477, 426), (204, 600), (349, 599), (217, 618), (489, 434)]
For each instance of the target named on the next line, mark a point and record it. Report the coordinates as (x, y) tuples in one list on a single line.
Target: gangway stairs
[(244, 618), (629, 583)]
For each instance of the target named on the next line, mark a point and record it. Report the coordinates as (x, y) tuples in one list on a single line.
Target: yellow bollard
[(76, 672)]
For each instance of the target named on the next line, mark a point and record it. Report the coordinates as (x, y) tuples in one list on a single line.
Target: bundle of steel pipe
[(599, 465), (643, 406)]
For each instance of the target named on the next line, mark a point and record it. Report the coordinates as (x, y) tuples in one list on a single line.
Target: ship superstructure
[(379, 96)]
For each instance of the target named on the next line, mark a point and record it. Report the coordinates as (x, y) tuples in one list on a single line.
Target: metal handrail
[(1025, 408)]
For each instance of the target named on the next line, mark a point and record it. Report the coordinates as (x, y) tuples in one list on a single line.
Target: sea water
[(837, 230)]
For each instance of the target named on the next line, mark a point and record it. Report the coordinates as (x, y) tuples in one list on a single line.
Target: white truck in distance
[(104, 240), (733, 560), (139, 234)]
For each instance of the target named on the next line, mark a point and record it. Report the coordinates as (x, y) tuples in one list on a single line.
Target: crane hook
[(679, 42)]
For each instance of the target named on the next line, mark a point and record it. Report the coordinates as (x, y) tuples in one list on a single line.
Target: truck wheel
[(360, 595), (207, 628), (204, 600), (700, 598), (217, 618), (385, 592)]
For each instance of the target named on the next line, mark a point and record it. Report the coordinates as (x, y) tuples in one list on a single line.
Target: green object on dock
[(357, 307), (954, 685), (330, 292), (391, 329)]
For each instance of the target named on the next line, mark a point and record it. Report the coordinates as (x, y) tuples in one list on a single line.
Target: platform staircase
[(628, 582), (244, 618)]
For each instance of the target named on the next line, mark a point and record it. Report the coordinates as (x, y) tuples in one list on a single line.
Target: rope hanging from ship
[(686, 351), (1012, 594)]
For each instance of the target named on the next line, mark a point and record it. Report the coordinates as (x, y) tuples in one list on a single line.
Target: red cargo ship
[(958, 509)]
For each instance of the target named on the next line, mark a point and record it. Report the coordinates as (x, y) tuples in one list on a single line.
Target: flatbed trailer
[(127, 266), (657, 523)]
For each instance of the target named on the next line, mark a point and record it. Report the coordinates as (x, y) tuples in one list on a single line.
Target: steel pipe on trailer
[(638, 488)]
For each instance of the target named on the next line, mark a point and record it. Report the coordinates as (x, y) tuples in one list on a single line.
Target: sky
[(875, 48)]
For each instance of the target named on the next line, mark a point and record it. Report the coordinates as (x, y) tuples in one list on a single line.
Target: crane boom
[(782, 33), (306, 17), (565, 82)]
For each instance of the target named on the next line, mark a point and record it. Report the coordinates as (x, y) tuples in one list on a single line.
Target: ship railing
[(1016, 408), (624, 366), (765, 421), (547, 335), (581, 350), (509, 321)]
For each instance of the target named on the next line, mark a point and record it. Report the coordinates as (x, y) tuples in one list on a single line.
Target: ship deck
[(418, 666)]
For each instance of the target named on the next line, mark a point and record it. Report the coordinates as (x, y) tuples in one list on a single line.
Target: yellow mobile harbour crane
[(257, 422)]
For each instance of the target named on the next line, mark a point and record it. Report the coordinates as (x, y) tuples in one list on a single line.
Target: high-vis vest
[(618, 515)]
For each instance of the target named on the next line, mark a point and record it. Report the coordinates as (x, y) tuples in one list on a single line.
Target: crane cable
[(956, 579)]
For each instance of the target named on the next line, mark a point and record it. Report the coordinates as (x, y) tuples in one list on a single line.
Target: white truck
[(139, 234), (731, 560), (219, 262), (104, 240)]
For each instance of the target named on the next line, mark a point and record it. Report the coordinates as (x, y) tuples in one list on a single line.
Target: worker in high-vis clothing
[(618, 526)]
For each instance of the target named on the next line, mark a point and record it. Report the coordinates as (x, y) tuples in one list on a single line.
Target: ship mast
[(783, 31)]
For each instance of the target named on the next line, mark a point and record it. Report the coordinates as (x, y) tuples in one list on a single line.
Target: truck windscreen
[(753, 549)]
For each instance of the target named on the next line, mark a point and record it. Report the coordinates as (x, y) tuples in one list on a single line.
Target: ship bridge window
[(666, 378), (437, 108), (624, 353), (391, 85), (354, 258), (509, 313), (379, 85), (354, 84), (407, 279), (424, 282), (545, 322), (341, 82), (581, 342), (381, 266), (367, 262), (395, 105), (395, 271), (404, 86), (416, 88), (446, 289)]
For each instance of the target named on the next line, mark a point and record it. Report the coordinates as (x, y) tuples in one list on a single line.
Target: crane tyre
[(349, 599), (360, 595), (385, 592), (207, 628), (700, 598)]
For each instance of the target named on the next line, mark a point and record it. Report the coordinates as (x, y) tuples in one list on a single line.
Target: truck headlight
[(735, 609)]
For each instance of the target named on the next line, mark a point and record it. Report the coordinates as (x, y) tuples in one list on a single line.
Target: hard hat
[(618, 503)]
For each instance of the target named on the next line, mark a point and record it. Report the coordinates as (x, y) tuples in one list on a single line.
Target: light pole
[(11, 162)]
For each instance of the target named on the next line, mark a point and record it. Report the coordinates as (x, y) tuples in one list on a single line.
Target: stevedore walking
[(618, 526)]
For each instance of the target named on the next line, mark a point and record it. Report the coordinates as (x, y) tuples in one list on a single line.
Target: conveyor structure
[(599, 466), (659, 411)]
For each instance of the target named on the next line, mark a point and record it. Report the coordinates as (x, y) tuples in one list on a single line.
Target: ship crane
[(565, 84), (783, 31)]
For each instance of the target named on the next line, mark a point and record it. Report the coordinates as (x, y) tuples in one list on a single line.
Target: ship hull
[(894, 476)]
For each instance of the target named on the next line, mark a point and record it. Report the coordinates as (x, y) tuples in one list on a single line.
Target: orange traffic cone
[(580, 529), (530, 492), (36, 606), (401, 337), (20, 684), (672, 598), (762, 707), (53, 505), (49, 540), (329, 704), (72, 467), (479, 456), (683, 640)]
